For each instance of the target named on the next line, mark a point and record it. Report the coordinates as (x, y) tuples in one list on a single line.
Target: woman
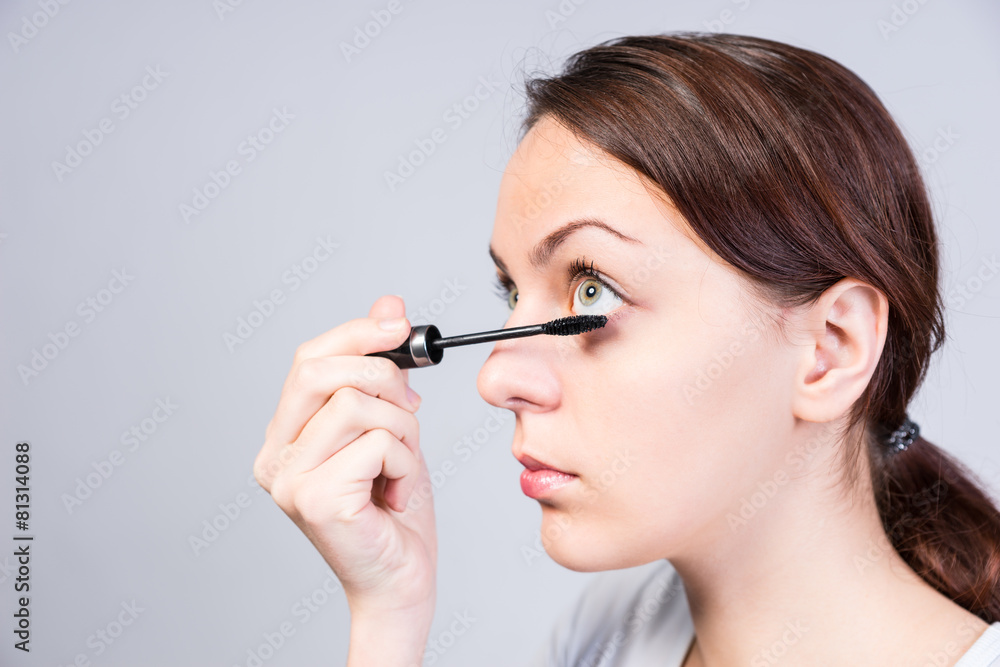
[(755, 228)]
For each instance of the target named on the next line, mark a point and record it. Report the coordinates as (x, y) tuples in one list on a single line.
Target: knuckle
[(309, 373), (380, 439), (409, 429), (380, 368), (312, 504), (347, 399), (260, 473), (373, 372), (288, 453), (283, 493), (264, 469), (301, 353)]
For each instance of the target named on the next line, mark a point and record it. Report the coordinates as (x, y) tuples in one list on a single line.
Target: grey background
[(162, 337)]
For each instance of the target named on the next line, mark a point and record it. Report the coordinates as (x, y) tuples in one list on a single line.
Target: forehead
[(551, 160), (554, 178)]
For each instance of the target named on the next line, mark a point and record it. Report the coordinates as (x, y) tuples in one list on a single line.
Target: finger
[(378, 488), (361, 335), (311, 384), (386, 306), (380, 454), (350, 476), (346, 416), (354, 337)]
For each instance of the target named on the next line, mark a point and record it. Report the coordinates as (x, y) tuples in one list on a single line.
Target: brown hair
[(788, 166)]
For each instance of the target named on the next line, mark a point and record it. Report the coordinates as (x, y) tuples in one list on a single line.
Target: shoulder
[(985, 652), (621, 616)]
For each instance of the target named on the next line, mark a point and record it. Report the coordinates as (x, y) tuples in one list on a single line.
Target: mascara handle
[(416, 351)]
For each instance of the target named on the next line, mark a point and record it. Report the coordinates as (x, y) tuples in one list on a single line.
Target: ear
[(843, 335)]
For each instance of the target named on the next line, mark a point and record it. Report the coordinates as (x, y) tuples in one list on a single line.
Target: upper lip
[(531, 463)]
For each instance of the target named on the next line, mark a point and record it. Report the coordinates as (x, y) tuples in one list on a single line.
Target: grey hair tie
[(903, 436)]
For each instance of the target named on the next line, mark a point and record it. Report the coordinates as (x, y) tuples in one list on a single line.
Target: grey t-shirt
[(639, 617)]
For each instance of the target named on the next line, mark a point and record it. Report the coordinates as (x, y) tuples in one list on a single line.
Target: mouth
[(539, 480)]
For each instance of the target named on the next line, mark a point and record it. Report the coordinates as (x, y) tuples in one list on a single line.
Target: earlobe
[(845, 332)]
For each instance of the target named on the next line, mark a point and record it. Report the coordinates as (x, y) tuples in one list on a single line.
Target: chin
[(578, 544)]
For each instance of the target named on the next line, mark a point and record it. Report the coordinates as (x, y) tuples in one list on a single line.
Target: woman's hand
[(341, 457)]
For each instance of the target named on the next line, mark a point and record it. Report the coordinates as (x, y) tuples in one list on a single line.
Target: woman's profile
[(733, 447)]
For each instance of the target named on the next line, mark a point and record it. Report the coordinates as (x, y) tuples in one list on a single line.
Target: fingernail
[(392, 323), (412, 396)]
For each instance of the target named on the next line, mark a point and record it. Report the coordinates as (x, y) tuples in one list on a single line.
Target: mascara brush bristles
[(564, 326), (570, 326)]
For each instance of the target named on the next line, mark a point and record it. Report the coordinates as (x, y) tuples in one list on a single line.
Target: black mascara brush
[(425, 347)]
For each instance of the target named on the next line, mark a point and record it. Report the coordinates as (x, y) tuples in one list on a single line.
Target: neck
[(811, 578)]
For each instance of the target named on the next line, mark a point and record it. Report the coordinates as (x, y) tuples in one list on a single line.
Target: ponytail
[(941, 523)]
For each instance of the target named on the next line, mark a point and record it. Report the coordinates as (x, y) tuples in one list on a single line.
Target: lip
[(539, 479), (531, 463)]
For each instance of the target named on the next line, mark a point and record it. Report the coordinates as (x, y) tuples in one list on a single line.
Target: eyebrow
[(542, 253)]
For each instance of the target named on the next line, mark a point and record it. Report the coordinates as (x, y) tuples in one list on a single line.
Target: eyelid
[(578, 270), (503, 280)]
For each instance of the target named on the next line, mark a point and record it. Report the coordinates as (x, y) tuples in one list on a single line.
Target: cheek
[(674, 432)]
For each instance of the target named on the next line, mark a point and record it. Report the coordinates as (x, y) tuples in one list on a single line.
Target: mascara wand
[(425, 346)]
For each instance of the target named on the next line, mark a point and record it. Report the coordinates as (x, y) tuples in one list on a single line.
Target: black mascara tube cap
[(416, 351)]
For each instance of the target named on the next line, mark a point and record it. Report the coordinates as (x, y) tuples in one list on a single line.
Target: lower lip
[(540, 483)]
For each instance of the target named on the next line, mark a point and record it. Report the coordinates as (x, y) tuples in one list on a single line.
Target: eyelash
[(577, 269)]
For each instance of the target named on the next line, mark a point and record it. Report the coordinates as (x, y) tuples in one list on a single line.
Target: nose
[(520, 373)]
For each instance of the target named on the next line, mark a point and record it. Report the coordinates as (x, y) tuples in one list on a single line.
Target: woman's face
[(669, 415)]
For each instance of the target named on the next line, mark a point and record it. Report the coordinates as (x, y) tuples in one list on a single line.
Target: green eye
[(512, 298), (505, 290), (589, 292), (593, 297)]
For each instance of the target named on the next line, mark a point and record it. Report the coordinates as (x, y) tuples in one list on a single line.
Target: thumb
[(389, 306)]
